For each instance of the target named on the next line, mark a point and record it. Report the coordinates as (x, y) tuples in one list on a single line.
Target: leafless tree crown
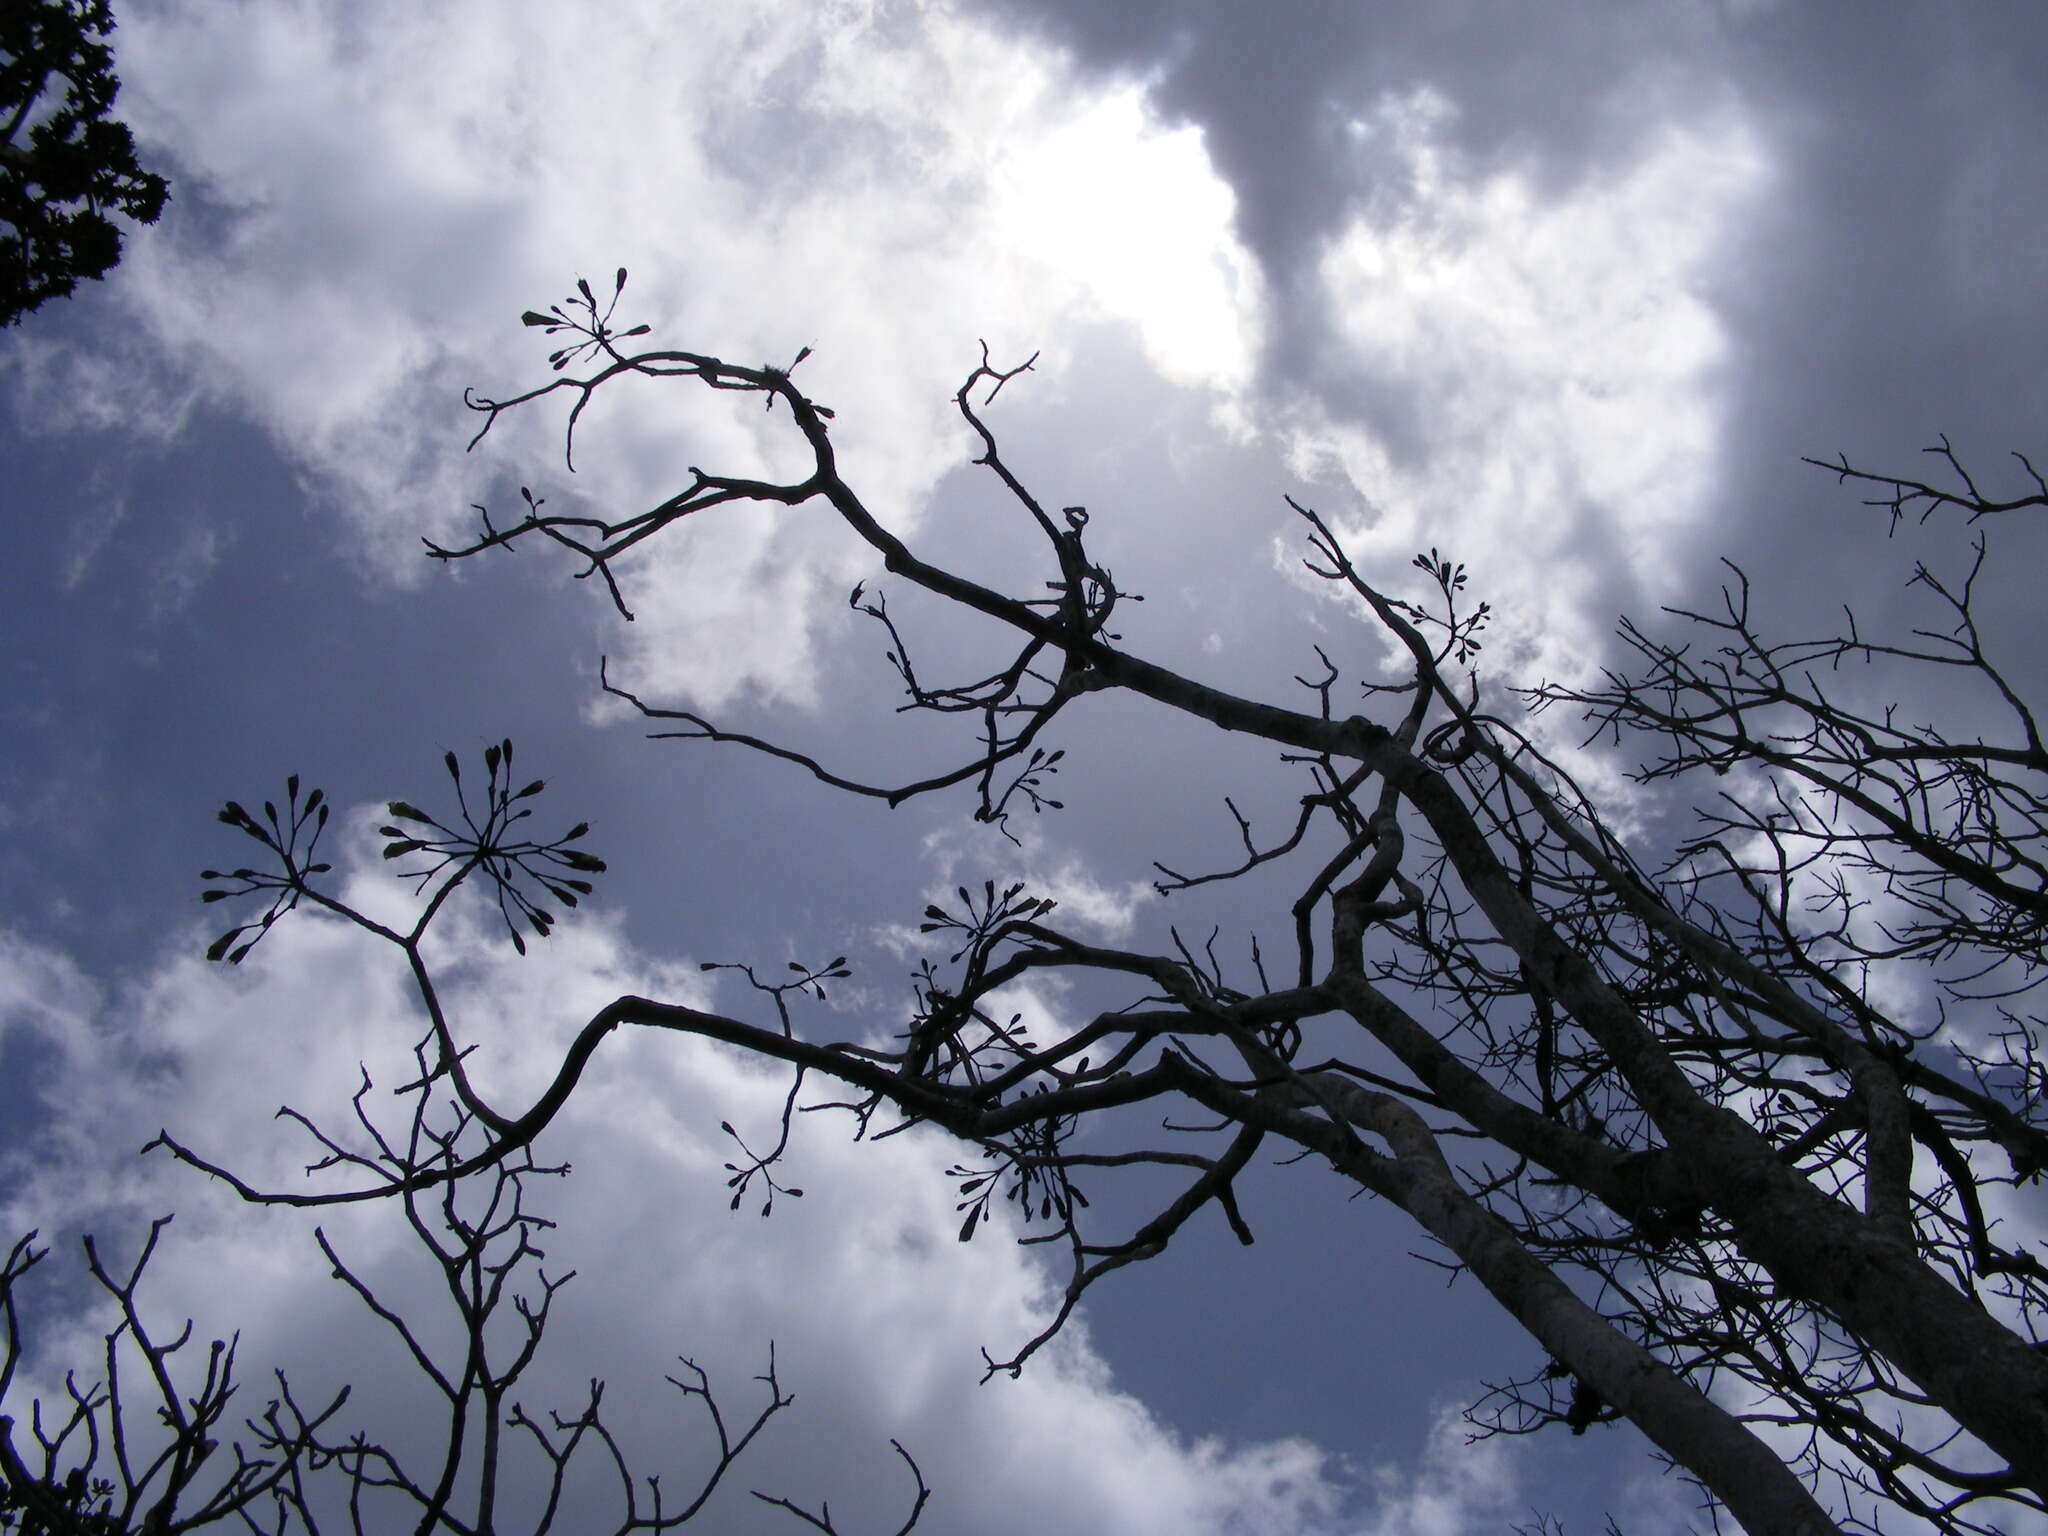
[(1671, 1114)]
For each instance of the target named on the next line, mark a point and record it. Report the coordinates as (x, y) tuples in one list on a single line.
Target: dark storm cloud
[(1906, 143), (1551, 92), (1889, 291)]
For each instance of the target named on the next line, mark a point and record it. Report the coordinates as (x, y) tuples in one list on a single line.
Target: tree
[(64, 172), (98, 1467), (60, 1487), (1662, 1111)]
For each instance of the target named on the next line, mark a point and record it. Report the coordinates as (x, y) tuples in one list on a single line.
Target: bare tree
[(97, 1467), (1659, 1109), (100, 1468)]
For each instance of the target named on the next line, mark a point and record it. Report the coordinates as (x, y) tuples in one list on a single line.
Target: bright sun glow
[(1134, 216)]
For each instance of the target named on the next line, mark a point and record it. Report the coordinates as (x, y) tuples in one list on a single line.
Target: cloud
[(92, 529), (1451, 1489), (971, 854), (185, 569), (877, 1312), (368, 196), (1134, 215), (1529, 373)]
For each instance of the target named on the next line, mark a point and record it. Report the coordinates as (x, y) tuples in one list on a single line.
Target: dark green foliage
[(64, 172), (70, 1508)]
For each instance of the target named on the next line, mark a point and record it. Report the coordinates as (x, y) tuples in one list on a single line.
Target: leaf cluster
[(64, 173), (479, 842), (593, 330)]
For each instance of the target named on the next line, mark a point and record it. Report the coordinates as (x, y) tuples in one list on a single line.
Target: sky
[(1564, 291)]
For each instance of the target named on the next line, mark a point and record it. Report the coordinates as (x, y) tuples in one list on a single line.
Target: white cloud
[(184, 570), (1454, 1488), (1555, 363), (117, 382), (1136, 217), (972, 854), (369, 195), (92, 528)]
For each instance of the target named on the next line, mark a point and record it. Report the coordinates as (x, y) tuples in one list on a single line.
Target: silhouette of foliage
[(66, 167)]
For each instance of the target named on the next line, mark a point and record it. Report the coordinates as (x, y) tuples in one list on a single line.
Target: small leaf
[(639, 330), (291, 786), (532, 789), (219, 946), (214, 895), (967, 1226), (619, 282), (399, 850), (793, 1193), (407, 812), (584, 288), (531, 318), (581, 829), (454, 768)]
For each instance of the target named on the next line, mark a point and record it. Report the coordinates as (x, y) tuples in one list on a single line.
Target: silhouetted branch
[(1670, 1117)]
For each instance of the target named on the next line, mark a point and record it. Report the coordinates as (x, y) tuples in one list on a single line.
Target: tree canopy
[(1721, 1125), (66, 166)]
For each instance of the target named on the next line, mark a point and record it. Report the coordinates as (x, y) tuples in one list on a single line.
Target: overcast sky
[(1565, 291)]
